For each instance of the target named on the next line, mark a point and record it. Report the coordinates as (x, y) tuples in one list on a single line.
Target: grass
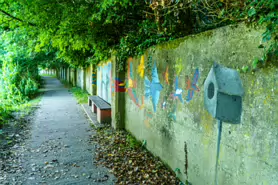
[(54, 76), (66, 84), (27, 107), (24, 109), (80, 95)]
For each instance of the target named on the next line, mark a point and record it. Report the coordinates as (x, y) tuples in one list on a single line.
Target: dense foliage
[(18, 71), (83, 31)]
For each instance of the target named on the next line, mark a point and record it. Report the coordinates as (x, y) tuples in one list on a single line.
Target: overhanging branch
[(15, 18)]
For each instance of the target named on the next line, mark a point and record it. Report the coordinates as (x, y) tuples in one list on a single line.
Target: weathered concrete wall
[(179, 130), (48, 72), (104, 81), (68, 74), (94, 79), (73, 76), (80, 78), (88, 77)]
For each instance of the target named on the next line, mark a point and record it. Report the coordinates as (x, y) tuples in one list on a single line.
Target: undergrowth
[(80, 95), (6, 111)]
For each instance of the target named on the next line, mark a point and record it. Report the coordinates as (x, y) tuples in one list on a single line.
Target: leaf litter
[(128, 159)]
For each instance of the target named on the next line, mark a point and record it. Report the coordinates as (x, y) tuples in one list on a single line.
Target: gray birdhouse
[(223, 94)]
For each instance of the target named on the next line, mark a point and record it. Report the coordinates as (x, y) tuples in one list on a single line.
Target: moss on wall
[(249, 150)]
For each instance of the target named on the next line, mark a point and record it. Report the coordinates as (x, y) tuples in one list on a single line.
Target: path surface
[(58, 150)]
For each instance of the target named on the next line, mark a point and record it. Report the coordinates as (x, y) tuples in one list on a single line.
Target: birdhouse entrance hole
[(210, 90)]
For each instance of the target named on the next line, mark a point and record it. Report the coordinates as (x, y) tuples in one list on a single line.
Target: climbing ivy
[(51, 33), (79, 32)]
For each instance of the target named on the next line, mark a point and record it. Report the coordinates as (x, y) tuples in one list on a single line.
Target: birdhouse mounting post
[(218, 150)]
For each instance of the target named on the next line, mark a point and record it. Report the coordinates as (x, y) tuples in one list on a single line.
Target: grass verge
[(66, 84), (129, 161), (48, 75), (21, 110), (80, 95)]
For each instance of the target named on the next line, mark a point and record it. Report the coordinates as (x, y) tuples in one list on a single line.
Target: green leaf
[(245, 69), (252, 12), (261, 46), (266, 36), (255, 63)]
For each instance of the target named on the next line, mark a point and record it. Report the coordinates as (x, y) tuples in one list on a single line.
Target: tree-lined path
[(58, 150)]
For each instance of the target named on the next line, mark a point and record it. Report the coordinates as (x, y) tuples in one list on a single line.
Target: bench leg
[(103, 116), (89, 102), (94, 108)]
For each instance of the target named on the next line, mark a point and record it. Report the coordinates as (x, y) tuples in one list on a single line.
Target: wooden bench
[(101, 108)]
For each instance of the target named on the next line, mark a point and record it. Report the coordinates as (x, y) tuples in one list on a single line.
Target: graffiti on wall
[(99, 75), (178, 66), (104, 74), (117, 86), (94, 78), (141, 67), (131, 84), (153, 88), (192, 85), (178, 91), (166, 76)]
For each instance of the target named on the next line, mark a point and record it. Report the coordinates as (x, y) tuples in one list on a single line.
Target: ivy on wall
[(81, 32)]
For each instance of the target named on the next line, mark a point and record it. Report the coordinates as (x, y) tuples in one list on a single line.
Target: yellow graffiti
[(178, 66), (122, 84), (143, 104), (207, 122), (130, 83), (141, 67), (166, 76)]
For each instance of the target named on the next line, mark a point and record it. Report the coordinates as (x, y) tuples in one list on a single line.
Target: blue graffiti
[(178, 91), (192, 86), (153, 88)]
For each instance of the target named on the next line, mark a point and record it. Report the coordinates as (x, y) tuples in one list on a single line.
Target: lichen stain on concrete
[(206, 122), (166, 133), (196, 118)]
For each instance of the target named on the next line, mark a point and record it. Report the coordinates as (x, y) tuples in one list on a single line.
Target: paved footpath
[(58, 151)]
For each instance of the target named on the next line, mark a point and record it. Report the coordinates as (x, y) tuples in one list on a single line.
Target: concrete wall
[(68, 74), (79, 80), (81, 77), (88, 77), (73, 76), (104, 81), (164, 109), (48, 72)]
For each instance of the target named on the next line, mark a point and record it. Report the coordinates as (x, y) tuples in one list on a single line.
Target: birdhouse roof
[(228, 80)]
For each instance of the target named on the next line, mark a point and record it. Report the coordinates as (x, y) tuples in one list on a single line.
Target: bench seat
[(101, 108)]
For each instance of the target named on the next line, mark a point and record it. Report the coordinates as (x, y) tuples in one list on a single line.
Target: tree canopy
[(84, 31)]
